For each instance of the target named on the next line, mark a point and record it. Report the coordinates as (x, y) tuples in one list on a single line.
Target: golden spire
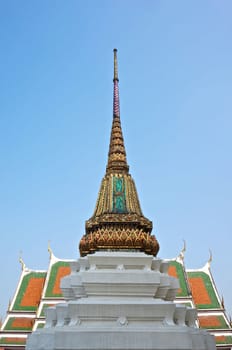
[(118, 222), (117, 162)]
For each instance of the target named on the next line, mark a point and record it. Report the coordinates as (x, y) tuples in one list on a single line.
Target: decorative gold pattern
[(104, 202), (118, 238), (118, 222), (117, 162)]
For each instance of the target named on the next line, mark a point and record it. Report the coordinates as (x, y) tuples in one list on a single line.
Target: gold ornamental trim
[(126, 239)]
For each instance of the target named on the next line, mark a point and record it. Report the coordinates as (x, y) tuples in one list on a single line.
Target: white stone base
[(120, 300)]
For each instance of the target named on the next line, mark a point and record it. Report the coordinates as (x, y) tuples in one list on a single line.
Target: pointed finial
[(115, 66), (116, 109), (21, 261), (183, 250), (50, 250), (117, 162), (9, 304), (210, 258), (222, 302)]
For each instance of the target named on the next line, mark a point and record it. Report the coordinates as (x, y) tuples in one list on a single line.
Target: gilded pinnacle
[(115, 66), (118, 222)]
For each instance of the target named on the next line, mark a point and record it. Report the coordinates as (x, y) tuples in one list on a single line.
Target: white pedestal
[(120, 300)]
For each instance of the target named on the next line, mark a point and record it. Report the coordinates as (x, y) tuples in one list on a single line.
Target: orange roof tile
[(22, 322), (33, 292), (30, 291), (203, 290), (212, 321), (172, 271), (15, 340), (223, 339), (176, 269), (62, 271), (19, 323), (199, 291), (57, 272)]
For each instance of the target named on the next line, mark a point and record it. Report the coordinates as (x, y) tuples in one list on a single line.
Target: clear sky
[(175, 72)]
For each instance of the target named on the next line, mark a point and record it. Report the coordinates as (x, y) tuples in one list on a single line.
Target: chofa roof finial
[(210, 258), (181, 255), (50, 249), (23, 265)]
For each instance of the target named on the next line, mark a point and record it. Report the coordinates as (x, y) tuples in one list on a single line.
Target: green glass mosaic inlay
[(119, 196)]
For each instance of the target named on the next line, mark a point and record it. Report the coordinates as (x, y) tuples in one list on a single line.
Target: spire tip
[(115, 66)]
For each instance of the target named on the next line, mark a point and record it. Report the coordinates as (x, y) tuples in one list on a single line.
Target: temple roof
[(118, 222)]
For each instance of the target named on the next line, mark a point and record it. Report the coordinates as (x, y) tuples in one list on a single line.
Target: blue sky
[(55, 117)]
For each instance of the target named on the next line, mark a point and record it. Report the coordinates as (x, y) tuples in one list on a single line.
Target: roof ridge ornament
[(180, 257), (208, 263), (50, 250), (9, 305), (23, 265), (222, 302), (210, 258)]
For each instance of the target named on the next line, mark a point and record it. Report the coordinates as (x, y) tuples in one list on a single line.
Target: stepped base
[(121, 301), (156, 339)]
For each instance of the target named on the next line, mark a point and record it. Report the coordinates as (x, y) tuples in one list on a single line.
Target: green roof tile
[(30, 291), (223, 339), (176, 270), (40, 325), (12, 341), (58, 270), (19, 323), (45, 306), (213, 322), (203, 292)]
